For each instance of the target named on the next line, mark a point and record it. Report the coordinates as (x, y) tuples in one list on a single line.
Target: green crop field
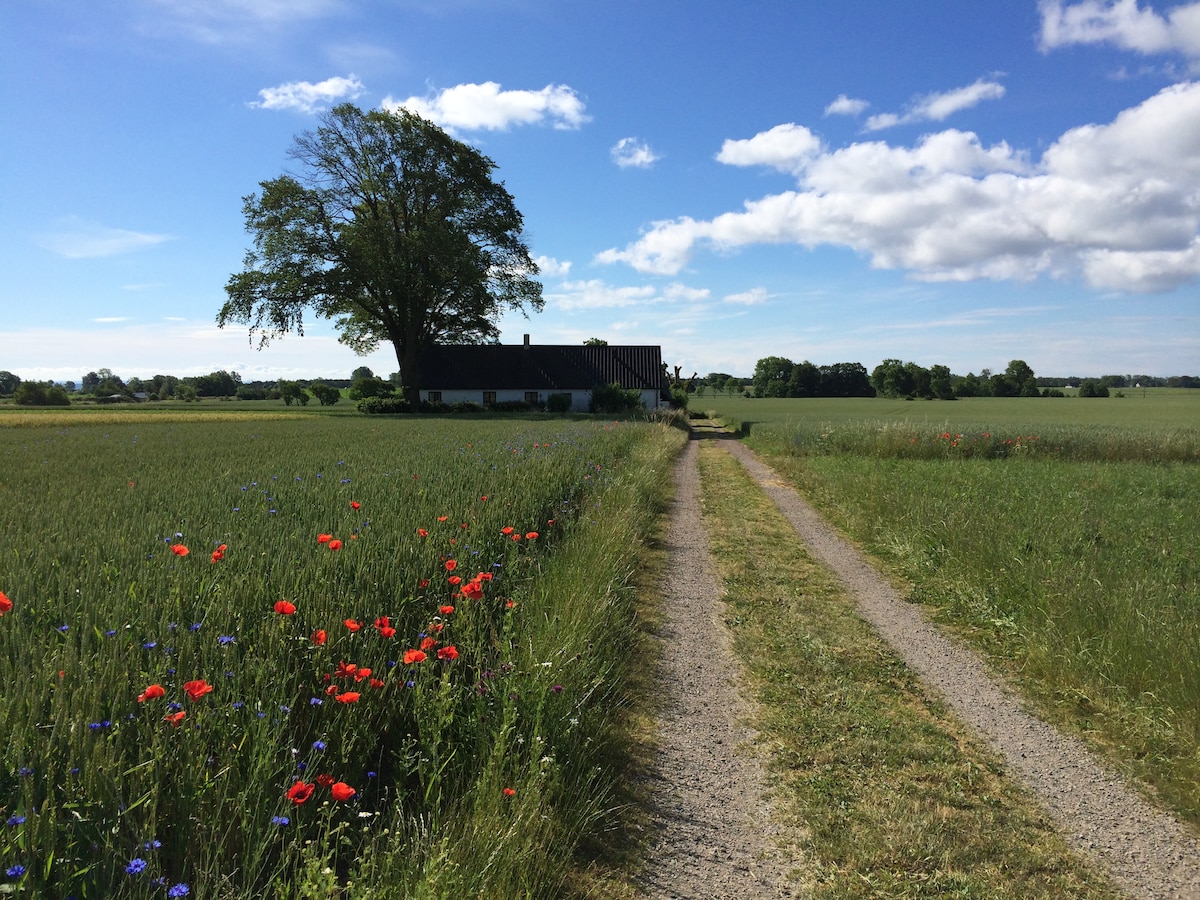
[(1059, 535), (268, 655)]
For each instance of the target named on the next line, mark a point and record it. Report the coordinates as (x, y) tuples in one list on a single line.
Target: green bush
[(37, 393), (362, 388), (386, 406), (558, 403), (612, 398), (326, 395)]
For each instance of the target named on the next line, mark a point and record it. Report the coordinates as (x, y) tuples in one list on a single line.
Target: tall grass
[(1073, 561), (467, 760)]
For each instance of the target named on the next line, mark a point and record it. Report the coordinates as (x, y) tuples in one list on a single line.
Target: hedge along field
[(276, 657), (1068, 552)]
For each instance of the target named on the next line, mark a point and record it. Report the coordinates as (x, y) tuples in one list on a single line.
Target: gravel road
[(710, 842)]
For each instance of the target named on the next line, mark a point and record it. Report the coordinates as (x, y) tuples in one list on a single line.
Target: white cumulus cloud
[(485, 107), (551, 267), (1123, 23), (1115, 204), (788, 148), (846, 106), (306, 97), (631, 153)]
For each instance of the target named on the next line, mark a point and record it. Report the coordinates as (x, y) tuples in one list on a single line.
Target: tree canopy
[(394, 230)]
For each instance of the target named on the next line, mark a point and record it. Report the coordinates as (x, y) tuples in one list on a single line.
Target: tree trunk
[(410, 374)]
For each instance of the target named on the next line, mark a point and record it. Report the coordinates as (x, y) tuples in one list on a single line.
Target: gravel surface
[(714, 836)]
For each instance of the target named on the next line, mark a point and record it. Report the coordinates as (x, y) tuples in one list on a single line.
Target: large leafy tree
[(394, 230)]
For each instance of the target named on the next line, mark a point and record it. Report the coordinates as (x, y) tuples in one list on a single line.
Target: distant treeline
[(778, 376)]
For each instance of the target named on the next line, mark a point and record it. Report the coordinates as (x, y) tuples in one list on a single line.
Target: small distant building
[(491, 374)]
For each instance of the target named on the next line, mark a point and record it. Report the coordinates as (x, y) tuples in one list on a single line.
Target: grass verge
[(891, 796)]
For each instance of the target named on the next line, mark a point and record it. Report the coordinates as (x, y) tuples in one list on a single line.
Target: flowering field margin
[(247, 657)]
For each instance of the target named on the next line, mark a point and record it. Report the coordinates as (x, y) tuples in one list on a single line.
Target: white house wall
[(580, 400)]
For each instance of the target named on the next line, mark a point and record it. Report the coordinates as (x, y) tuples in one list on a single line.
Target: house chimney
[(526, 342)]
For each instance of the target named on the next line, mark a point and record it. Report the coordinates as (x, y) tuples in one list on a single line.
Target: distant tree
[(361, 372), (370, 387), (394, 230), (216, 384), (1090, 388), (846, 379), (326, 395), (892, 379), (90, 380), (291, 391), (40, 393), (941, 383), (8, 383), (805, 380), (771, 376), (595, 342), (248, 392), (186, 392)]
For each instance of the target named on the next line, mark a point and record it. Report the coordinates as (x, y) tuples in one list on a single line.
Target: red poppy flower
[(516, 537), (197, 689), (6, 605), (175, 718), (335, 544), (423, 583), (451, 565), (152, 692), (375, 683), (332, 689), (450, 652), (473, 590), (484, 576), (421, 532), (509, 604), (354, 504), (352, 625), (324, 538), (348, 697), (454, 579), (179, 550), (342, 792), (413, 656), (531, 536), (442, 518), (383, 622), (217, 556), (446, 610), (388, 632), (345, 670), (362, 673), (507, 529), (428, 643), (508, 792), (319, 636), (300, 791), (324, 779), (285, 607)]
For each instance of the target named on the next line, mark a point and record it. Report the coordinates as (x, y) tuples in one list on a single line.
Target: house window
[(435, 396), (489, 398), (531, 396)]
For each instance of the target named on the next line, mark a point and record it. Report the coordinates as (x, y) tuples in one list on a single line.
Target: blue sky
[(943, 182)]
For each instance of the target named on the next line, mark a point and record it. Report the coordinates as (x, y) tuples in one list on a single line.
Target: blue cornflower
[(238, 704), (372, 774), (281, 821), (15, 871), (225, 639), (152, 845), (24, 771), (284, 709), (195, 626), (315, 701), (14, 821), (318, 745), (178, 890), (136, 867), (64, 628), (149, 645), (110, 632)]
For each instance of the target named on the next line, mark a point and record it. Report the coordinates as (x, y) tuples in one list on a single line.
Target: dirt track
[(707, 846)]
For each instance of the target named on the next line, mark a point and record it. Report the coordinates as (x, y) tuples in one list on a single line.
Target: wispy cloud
[(938, 107), (631, 153), (486, 107), (231, 21), (599, 294), (1123, 23), (753, 297), (306, 97), (76, 238), (1114, 204)]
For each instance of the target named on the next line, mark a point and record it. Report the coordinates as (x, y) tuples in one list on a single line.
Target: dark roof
[(545, 367)]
